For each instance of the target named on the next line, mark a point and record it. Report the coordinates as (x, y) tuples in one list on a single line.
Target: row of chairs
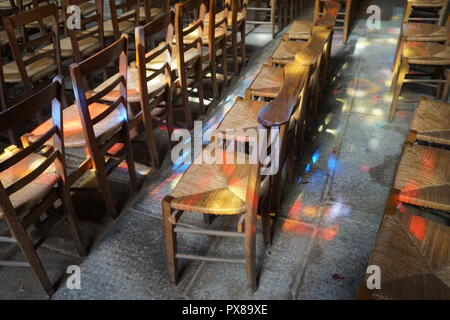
[(423, 53), (412, 251), (100, 122), (246, 178)]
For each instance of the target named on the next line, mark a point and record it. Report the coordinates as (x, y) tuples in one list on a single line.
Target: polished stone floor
[(330, 215)]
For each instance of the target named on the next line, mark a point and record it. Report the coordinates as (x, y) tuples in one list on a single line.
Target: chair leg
[(130, 160), (273, 16), (266, 224), (168, 97), (397, 85), (150, 139), (243, 51), (26, 246), (105, 188), (185, 102), (201, 95), (234, 48), (346, 23), (213, 67), (316, 9), (446, 90), (398, 52), (72, 220), (224, 62), (250, 248), (171, 240)]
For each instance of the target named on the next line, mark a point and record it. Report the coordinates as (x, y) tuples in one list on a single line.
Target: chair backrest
[(123, 10), (148, 6), (216, 22), (22, 113), (235, 7), (91, 26), (21, 49), (85, 97), (182, 11), (144, 54)]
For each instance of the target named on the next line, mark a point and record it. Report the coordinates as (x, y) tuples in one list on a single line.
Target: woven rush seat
[(424, 32), (73, 128), (35, 70), (267, 82), (154, 86), (87, 46), (431, 122), (214, 188), (423, 177), (124, 27), (413, 254), (242, 115), (36, 190), (425, 53), (286, 51), (300, 30)]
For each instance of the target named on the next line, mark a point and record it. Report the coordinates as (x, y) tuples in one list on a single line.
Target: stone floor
[(330, 215)]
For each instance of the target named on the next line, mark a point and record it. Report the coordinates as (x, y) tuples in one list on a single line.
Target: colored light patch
[(418, 227)]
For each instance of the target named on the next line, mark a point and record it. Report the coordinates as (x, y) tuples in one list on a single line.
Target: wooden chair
[(412, 254), (288, 112), (237, 13), (268, 81), (214, 36), (300, 30), (346, 15), (241, 190), (150, 97), (421, 32), (431, 123), (437, 9), (271, 8), (423, 177), (80, 44), (31, 183), (233, 191), (415, 54), (287, 49), (190, 55), (149, 83), (31, 69), (104, 157), (97, 125), (124, 18)]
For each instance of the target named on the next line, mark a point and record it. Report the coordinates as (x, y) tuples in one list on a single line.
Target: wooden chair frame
[(124, 6), (19, 222), (237, 27), (346, 20), (19, 49), (275, 6), (99, 152), (196, 68), (410, 6), (85, 32), (144, 56)]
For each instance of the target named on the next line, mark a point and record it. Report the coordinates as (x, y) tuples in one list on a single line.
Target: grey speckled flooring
[(330, 215)]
